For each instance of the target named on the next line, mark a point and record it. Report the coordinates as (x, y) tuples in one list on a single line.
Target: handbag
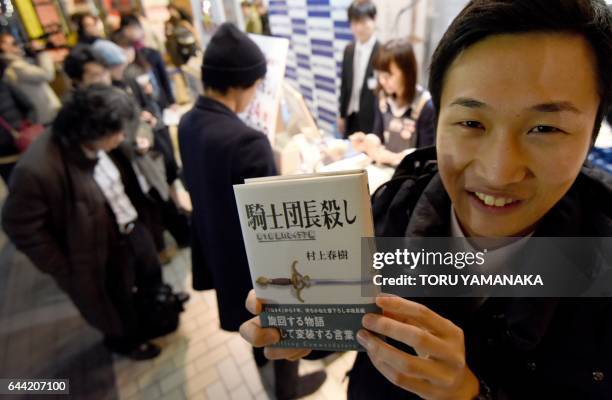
[(25, 135), (158, 311)]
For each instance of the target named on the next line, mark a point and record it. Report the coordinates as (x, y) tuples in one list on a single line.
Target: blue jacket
[(218, 151)]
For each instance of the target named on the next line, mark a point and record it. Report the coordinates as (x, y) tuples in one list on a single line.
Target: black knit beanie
[(232, 59)]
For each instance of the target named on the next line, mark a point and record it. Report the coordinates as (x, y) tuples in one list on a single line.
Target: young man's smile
[(512, 136)]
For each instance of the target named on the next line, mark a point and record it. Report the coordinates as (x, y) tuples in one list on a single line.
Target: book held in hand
[(302, 236)]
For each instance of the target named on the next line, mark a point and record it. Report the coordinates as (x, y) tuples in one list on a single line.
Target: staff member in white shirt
[(357, 98)]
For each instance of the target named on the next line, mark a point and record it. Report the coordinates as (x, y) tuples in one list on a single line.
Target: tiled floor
[(42, 336)]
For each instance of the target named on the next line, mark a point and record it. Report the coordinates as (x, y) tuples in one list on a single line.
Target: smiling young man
[(505, 160), (520, 88)]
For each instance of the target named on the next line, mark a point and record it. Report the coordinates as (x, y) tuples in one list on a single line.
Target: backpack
[(393, 202)]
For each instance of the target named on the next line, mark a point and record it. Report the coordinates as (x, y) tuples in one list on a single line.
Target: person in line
[(152, 191), (184, 48), (32, 79), (404, 117), (15, 108), (68, 210), (138, 76), (252, 20), (85, 67), (357, 82), (132, 29), (113, 57), (181, 36), (264, 16), (88, 28), (218, 151), (151, 38), (520, 89)]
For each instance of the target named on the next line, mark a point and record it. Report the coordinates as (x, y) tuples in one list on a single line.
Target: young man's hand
[(257, 336), (439, 370)]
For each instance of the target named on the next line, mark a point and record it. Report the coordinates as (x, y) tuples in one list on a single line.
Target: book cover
[(302, 236)]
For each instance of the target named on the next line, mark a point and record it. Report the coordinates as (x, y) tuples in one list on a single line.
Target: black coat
[(56, 214), (367, 100), (525, 348), (218, 151)]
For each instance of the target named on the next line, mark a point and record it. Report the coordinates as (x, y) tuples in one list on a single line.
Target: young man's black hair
[(79, 56), (361, 9), (92, 113), (483, 18)]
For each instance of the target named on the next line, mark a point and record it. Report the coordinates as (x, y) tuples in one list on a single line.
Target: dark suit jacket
[(367, 99), (218, 151)]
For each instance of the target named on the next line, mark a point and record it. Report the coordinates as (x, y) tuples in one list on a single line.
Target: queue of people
[(90, 199)]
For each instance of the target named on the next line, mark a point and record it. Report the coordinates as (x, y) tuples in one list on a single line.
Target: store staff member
[(357, 85), (521, 87), (218, 151)]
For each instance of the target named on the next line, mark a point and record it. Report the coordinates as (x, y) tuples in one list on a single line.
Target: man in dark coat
[(509, 163), (357, 99), (218, 151), (70, 212)]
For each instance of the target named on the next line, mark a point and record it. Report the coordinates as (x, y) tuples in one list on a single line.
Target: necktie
[(357, 80)]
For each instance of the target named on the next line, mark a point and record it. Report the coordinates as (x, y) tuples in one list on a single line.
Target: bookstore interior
[(256, 199)]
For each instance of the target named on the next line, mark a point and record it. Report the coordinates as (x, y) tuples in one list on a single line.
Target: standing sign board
[(263, 111)]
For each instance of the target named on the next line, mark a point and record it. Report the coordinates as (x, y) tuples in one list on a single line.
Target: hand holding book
[(252, 332), (439, 370)]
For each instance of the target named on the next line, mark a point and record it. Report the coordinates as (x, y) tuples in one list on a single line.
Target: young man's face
[(95, 73), (363, 29), (516, 119)]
